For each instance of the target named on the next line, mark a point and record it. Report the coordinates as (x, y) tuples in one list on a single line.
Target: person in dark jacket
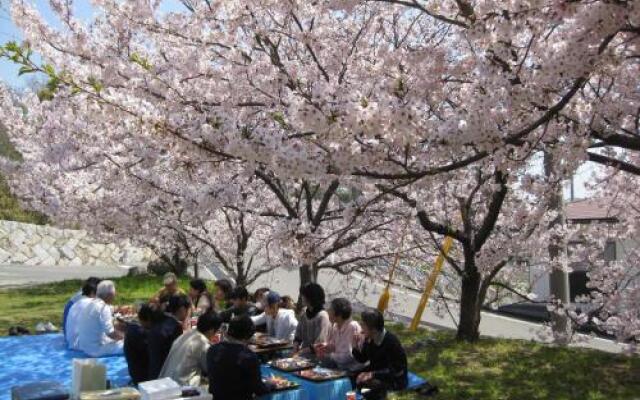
[(136, 346), (386, 360), (240, 305), (165, 331), (234, 370)]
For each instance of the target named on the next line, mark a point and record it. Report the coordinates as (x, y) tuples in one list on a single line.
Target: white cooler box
[(125, 393), (160, 389)]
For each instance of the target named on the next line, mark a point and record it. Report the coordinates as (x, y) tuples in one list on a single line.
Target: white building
[(583, 212)]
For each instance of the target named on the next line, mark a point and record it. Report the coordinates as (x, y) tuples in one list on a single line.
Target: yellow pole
[(431, 282), (383, 302)]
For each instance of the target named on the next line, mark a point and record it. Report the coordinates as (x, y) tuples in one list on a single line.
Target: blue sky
[(9, 71), (9, 32)]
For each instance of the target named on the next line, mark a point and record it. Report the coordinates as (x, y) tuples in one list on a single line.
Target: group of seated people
[(163, 343)]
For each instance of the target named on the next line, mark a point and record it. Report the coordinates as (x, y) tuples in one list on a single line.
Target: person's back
[(65, 313), (71, 329), (165, 330), (136, 352), (97, 335), (232, 371), (136, 344), (187, 359), (88, 290), (92, 325), (160, 338), (236, 311)]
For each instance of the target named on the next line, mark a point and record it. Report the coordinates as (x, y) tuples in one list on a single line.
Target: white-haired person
[(97, 335)]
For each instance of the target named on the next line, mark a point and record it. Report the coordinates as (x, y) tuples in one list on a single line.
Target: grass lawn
[(490, 369)]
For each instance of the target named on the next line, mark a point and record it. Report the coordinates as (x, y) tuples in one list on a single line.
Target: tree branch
[(325, 202), (614, 163), (493, 212), (279, 194)]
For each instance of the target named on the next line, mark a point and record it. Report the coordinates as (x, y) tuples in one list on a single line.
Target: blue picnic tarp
[(334, 389), (25, 359)]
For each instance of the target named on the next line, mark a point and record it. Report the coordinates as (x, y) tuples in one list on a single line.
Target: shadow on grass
[(511, 369)]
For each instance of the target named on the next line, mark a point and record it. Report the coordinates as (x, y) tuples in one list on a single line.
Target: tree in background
[(385, 97)]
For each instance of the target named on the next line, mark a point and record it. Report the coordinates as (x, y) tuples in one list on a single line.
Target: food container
[(125, 393), (160, 389), (87, 375), (351, 395)]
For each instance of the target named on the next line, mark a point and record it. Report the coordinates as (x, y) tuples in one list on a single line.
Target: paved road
[(19, 275)]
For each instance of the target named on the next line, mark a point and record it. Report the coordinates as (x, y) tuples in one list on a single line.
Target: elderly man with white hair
[(97, 335)]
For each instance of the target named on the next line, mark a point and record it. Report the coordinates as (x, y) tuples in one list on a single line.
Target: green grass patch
[(29, 305), (492, 369), (504, 369)]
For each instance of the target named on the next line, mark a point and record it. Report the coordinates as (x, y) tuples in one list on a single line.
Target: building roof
[(590, 210)]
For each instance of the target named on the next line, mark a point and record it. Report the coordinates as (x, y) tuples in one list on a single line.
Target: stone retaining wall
[(45, 245)]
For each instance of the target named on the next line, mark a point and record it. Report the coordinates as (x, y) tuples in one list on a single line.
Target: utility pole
[(558, 278), (572, 189)]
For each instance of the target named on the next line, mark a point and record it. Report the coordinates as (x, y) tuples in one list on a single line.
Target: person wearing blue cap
[(281, 323)]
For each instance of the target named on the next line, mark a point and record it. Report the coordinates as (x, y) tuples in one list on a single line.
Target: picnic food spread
[(265, 341), (280, 382), (292, 364), (320, 374)]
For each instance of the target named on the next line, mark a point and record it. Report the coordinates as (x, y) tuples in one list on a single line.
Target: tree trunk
[(470, 307), (196, 270), (241, 280), (307, 275)]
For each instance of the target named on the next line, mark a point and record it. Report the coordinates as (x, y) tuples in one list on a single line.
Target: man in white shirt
[(97, 336), (281, 323), (67, 307), (187, 360), (71, 327)]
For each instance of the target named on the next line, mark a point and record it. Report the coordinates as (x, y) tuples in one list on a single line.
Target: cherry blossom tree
[(496, 220), (388, 98), (240, 242), (340, 87)]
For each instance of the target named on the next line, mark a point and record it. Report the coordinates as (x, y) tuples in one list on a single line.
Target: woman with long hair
[(313, 324), (200, 297)]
